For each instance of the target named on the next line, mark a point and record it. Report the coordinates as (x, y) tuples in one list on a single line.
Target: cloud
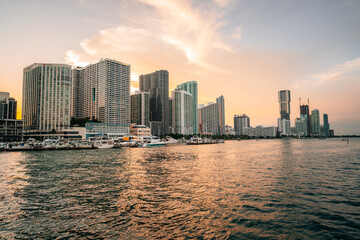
[(181, 25), (338, 71)]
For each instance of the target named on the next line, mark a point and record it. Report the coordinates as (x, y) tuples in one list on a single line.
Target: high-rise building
[(315, 122), (212, 117), (301, 126), (284, 103), (8, 107), (220, 101), (182, 112), (4, 95), (305, 113), (101, 91), (46, 98), (10, 127), (192, 88), (326, 125), (157, 84), (241, 122), (140, 108)]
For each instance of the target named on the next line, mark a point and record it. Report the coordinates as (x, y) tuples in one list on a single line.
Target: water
[(267, 189)]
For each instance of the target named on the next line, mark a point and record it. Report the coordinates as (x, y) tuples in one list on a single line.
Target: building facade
[(305, 113), (157, 85), (241, 122), (139, 130), (301, 127), (260, 131), (46, 99), (181, 112), (192, 88), (315, 122), (8, 108), (140, 108), (101, 91), (284, 99), (326, 125), (212, 117)]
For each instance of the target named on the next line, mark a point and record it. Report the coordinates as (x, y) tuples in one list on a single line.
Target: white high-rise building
[(192, 88), (46, 99), (212, 117), (101, 91), (181, 112)]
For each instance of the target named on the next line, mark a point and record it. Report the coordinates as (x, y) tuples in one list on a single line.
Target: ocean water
[(267, 189)]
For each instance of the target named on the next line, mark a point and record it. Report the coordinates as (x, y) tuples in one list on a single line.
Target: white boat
[(62, 144), (104, 144), (30, 144), (152, 141), (50, 143), (2, 146), (85, 145)]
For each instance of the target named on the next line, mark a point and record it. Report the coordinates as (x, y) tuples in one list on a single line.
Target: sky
[(245, 50)]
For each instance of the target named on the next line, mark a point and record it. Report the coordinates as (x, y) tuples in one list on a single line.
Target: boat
[(30, 144), (85, 145), (62, 145), (50, 143), (169, 141), (152, 141), (104, 144), (2, 146)]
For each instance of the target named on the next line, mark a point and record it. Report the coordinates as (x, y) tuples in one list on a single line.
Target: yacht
[(152, 141), (104, 144)]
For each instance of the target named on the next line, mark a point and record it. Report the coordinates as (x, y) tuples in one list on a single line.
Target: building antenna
[(299, 102)]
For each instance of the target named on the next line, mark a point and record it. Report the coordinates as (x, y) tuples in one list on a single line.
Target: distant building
[(8, 107), (140, 108), (229, 130), (192, 88), (260, 131), (241, 122), (4, 95), (305, 113), (46, 99), (301, 127), (101, 91), (326, 125), (315, 122), (139, 130), (157, 84), (284, 127), (212, 117), (284, 105), (181, 112), (99, 129)]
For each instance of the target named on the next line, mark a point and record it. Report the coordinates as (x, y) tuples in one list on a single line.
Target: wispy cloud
[(183, 25), (337, 71)]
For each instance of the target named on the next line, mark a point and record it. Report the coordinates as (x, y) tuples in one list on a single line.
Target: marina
[(101, 143)]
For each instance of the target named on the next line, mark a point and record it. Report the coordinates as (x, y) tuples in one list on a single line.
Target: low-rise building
[(139, 130), (260, 131), (10, 129), (98, 129)]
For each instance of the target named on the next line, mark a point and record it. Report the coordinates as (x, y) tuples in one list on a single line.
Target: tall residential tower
[(192, 88), (46, 98), (157, 85)]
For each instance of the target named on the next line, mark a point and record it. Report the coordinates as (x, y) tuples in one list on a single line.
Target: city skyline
[(216, 43)]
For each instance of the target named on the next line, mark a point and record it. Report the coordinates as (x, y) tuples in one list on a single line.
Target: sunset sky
[(244, 50)]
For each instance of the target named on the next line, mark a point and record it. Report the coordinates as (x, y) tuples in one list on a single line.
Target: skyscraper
[(140, 108), (182, 112), (241, 122), (284, 105), (220, 101), (46, 98), (305, 113), (315, 122), (326, 125), (101, 91), (8, 107), (157, 84), (212, 117), (192, 88)]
